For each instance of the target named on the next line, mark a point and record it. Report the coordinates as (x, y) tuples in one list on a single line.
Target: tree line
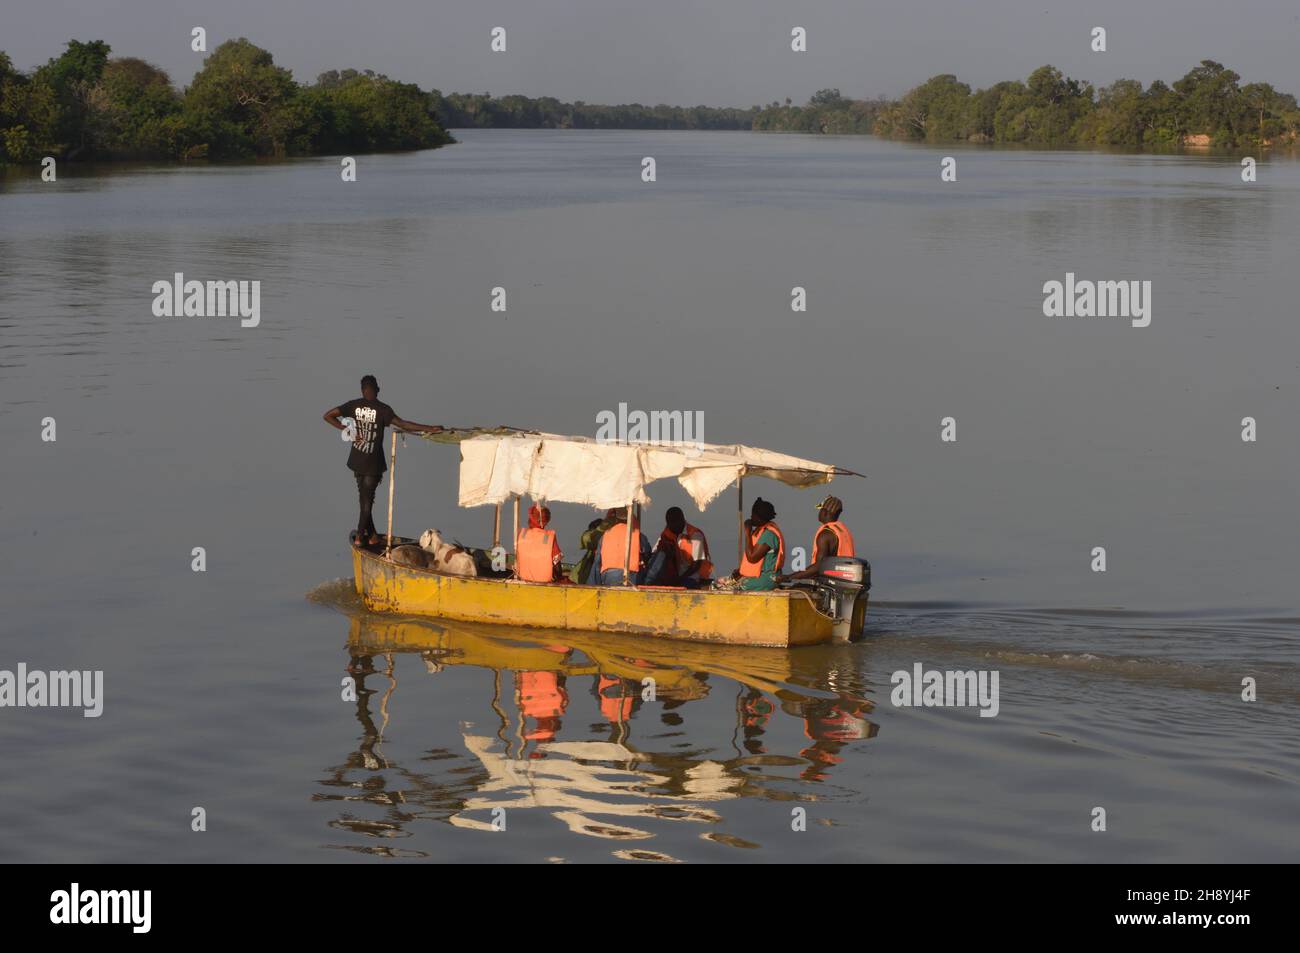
[(87, 104), (826, 112), (469, 110), (1208, 106)]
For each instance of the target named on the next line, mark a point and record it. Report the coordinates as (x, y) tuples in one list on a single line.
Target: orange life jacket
[(754, 569), (686, 552), (535, 555), (843, 540), (613, 548)]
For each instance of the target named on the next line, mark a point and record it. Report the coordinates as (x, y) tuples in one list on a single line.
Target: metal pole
[(740, 517), (392, 481), (515, 548), (627, 557), (496, 528)]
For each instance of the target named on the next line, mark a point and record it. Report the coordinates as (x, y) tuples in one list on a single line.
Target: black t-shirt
[(371, 417)]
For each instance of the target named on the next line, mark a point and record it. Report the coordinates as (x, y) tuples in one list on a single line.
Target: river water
[(1119, 689)]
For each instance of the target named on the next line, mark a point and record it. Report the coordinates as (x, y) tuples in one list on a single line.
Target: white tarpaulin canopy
[(554, 468)]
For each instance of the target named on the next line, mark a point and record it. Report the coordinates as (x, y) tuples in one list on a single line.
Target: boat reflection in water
[(602, 784)]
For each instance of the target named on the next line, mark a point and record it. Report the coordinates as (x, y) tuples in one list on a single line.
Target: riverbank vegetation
[(481, 110), (1206, 107), (86, 104), (826, 112)]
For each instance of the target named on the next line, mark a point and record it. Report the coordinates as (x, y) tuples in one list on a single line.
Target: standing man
[(366, 461)]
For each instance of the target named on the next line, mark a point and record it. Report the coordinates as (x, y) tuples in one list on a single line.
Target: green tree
[(1045, 112), (1120, 118), (242, 104), (983, 109), (142, 110), (1213, 103), (30, 116), (367, 112), (936, 110), (73, 78)]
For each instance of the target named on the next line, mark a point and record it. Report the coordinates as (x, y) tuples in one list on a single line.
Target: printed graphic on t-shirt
[(367, 429)]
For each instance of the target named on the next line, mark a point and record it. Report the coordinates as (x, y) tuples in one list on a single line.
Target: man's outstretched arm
[(407, 425)]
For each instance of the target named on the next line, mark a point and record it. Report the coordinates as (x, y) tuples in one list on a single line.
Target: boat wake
[(337, 594), (1209, 651)]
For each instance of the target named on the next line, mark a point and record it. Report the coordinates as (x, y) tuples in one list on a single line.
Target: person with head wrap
[(832, 538), (537, 551), (764, 554)]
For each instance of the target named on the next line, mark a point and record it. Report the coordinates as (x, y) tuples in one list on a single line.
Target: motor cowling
[(844, 572), (842, 584)]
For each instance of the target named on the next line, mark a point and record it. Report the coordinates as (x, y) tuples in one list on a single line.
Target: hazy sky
[(715, 52)]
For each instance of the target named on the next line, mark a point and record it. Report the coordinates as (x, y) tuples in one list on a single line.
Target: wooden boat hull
[(781, 619)]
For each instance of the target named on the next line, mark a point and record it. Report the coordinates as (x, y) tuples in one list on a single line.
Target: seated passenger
[(587, 571), (537, 551), (613, 552), (832, 538), (764, 549), (681, 557)]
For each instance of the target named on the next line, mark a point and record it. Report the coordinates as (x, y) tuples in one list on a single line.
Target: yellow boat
[(497, 468), (781, 619)]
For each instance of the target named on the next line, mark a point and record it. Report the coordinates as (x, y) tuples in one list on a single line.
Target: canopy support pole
[(496, 528), (627, 556), (515, 547), (740, 518), (392, 481)]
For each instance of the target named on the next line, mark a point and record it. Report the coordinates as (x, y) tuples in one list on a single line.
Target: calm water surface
[(1119, 689)]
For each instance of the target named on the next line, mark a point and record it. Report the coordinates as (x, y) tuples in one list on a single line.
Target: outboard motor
[(841, 588)]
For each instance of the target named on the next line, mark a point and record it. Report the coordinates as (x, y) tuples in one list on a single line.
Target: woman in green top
[(764, 552)]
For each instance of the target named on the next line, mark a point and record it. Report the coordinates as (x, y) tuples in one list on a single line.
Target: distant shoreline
[(85, 106), (1207, 108)]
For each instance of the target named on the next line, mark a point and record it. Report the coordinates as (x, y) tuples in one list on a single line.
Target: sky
[(710, 52)]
